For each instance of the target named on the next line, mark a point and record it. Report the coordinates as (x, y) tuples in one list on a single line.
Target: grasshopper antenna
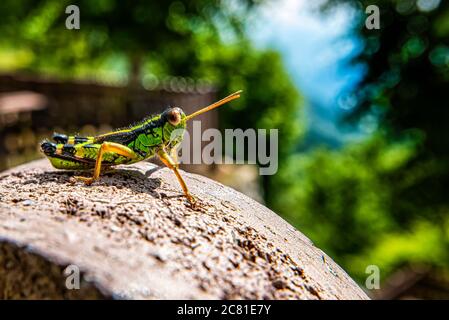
[(214, 105)]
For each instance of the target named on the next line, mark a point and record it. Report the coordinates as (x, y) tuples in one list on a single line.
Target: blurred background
[(362, 114)]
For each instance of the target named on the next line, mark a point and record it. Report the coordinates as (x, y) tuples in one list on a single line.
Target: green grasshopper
[(152, 136)]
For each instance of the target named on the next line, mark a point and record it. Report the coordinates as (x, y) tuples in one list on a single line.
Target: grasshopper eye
[(174, 117)]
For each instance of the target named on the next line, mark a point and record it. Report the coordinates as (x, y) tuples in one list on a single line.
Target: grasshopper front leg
[(107, 147), (168, 161)]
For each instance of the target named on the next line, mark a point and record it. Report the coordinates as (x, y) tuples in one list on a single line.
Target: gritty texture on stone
[(133, 236)]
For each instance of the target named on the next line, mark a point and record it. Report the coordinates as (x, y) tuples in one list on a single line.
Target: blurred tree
[(385, 201), (406, 86), (113, 26)]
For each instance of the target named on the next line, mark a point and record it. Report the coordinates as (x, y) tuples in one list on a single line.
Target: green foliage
[(383, 201), (408, 70), (351, 203), (425, 243), (109, 27)]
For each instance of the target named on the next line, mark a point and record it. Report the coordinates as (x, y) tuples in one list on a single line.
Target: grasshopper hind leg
[(107, 147)]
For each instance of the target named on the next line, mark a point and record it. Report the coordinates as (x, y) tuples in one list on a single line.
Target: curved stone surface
[(133, 236)]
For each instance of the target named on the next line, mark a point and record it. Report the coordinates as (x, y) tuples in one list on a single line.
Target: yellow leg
[(168, 161), (107, 147), (174, 156)]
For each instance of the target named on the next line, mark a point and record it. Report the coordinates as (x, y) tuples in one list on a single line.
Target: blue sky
[(316, 49)]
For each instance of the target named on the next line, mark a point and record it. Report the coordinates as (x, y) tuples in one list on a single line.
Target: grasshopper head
[(174, 125), (175, 119)]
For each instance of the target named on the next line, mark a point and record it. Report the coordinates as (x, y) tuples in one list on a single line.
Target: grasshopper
[(153, 136)]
